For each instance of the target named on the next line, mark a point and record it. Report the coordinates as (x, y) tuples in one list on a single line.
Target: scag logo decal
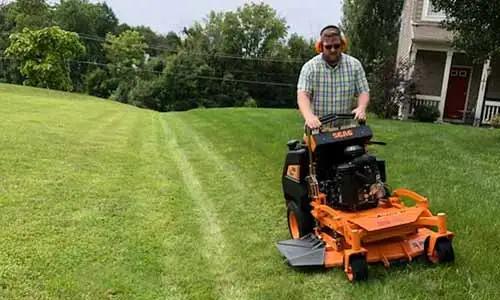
[(342, 134)]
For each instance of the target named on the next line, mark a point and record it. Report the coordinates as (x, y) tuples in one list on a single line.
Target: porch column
[(482, 91), (444, 86)]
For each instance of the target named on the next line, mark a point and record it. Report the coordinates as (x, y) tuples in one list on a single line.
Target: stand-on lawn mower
[(341, 212)]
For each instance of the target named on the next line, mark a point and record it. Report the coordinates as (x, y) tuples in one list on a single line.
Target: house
[(463, 92)]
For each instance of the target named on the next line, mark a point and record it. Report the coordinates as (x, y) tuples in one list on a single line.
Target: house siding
[(417, 12), (405, 33), (429, 69), (428, 30), (432, 32), (493, 90)]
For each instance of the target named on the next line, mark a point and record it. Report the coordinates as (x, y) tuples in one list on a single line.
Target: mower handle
[(333, 117)]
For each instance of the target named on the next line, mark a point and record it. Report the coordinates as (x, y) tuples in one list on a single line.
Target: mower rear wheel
[(300, 223)]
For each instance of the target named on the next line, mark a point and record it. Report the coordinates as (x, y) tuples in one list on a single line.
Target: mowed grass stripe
[(214, 246), (88, 235), (186, 273), (248, 215), (85, 207)]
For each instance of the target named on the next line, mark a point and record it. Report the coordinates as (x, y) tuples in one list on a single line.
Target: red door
[(457, 93)]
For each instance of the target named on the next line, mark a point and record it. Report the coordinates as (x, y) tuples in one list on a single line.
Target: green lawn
[(101, 200)]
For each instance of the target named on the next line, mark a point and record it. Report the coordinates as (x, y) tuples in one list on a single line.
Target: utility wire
[(99, 39), (220, 55), (178, 74)]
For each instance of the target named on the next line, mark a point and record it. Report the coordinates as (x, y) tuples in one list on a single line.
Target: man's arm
[(304, 91), (363, 90), (364, 99), (304, 103)]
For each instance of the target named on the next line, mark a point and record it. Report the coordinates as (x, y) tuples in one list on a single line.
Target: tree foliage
[(372, 28), (43, 54), (476, 26), (230, 58), (34, 14)]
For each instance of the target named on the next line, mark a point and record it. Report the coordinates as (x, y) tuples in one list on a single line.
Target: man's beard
[(332, 59)]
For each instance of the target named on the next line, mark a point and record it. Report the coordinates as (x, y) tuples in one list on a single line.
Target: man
[(329, 82)]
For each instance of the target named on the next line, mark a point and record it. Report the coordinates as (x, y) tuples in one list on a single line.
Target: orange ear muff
[(345, 44), (318, 46)]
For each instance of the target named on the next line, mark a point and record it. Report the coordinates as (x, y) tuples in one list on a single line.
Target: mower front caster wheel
[(358, 268), (443, 251)]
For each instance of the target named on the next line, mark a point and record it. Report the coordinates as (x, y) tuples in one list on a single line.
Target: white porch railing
[(491, 109), (424, 100)]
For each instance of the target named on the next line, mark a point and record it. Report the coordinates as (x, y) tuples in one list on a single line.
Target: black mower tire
[(359, 268), (443, 249), (300, 222)]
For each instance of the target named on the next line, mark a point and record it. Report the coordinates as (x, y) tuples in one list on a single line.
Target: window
[(429, 13)]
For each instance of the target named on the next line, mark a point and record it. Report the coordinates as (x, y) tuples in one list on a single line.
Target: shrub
[(250, 102), (390, 86), (426, 113), (495, 121)]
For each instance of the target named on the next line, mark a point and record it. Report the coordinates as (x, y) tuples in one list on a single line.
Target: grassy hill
[(100, 200)]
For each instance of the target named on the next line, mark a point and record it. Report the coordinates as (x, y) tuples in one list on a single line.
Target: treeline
[(245, 57)]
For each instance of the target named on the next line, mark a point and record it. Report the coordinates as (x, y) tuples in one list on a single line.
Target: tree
[(34, 14), (476, 26), (126, 55), (372, 28), (91, 22), (43, 55), (248, 45), (157, 43)]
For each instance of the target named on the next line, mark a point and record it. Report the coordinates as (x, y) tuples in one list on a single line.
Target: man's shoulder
[(312, 63), (351, 60)]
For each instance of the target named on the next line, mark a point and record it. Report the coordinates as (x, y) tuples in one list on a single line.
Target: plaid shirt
[(333, 89)]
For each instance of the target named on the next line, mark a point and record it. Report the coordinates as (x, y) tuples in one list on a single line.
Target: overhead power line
[(180, 74), (219, 55), (195, 76)]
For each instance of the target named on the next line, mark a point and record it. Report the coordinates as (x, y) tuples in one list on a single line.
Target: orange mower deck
[(391, 231)]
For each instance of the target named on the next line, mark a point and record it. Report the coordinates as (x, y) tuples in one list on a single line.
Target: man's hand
[(360, 113), (313, 121)]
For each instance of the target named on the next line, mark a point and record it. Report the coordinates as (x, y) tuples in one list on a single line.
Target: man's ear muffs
[(343, 40)]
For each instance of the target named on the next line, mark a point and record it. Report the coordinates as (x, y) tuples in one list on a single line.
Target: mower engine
[(356, 184)]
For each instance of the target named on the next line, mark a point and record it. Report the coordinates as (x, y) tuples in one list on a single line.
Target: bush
[(147, 94), (426, 113), (495, 121), (250, 102), (390, 87)]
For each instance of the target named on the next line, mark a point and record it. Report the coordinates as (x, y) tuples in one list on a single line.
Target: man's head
[(330, 43)]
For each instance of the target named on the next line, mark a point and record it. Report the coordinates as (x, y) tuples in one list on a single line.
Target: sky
[(304, 17)]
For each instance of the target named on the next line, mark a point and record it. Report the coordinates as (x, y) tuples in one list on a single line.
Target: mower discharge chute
[(341, 213)]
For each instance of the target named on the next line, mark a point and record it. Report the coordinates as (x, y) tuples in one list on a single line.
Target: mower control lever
[(331, 117)]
